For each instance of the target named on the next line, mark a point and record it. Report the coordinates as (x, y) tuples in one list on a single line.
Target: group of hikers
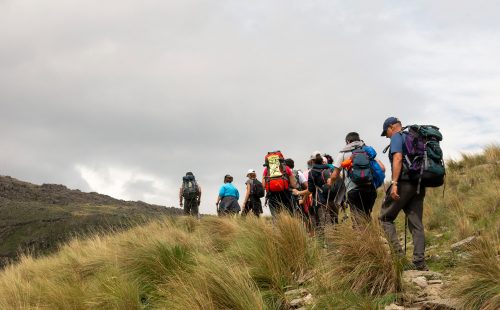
[(350, 180)]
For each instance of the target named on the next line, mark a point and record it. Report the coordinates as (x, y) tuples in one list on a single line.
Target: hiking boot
[(421, 267)]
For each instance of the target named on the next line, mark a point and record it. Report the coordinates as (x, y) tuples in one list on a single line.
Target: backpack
[(324, 189), (361, 172), (257, 189), (276, 178), (424, 158), (377, 173), (189, 188)]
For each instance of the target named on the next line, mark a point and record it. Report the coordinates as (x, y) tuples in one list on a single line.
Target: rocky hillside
[(36, 218)]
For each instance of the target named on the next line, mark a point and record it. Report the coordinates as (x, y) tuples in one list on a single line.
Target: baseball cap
[(314, 154), (250, 171), (388, 122)]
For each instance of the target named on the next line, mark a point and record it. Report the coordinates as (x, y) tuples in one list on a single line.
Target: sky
[(124, 97)]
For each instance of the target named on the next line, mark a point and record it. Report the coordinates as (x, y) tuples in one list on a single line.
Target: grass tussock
[(361, 261), (480, 285)]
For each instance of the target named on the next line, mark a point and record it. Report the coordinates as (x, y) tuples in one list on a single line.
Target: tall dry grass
[(480, 284)]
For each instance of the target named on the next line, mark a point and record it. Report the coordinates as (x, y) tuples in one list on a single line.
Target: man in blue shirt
[(227, 201), (402, 195)]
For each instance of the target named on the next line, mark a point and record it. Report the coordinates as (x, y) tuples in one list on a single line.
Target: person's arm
[(335, 174), (247, 195), (180, 196), (293, 181), (199, 194), (219, 198), (397, 166), (380, 164)]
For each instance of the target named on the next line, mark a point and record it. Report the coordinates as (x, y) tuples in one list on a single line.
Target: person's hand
[(295, 192), (394, 192), (329, 182)]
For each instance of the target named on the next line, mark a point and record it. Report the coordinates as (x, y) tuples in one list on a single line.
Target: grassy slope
[(250, 264), (38, 218)]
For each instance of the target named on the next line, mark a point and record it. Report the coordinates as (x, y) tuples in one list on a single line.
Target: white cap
[(314, 154), (250, 171)]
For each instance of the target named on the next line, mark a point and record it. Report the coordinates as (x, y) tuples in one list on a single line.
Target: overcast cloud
[(123, 97)]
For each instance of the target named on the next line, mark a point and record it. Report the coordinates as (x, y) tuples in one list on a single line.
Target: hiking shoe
[(421, 267)]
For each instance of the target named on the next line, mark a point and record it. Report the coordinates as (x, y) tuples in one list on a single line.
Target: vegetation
[(37, 219), (249, 263)]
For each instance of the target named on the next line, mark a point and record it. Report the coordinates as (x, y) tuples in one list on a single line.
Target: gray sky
[(123, 97)]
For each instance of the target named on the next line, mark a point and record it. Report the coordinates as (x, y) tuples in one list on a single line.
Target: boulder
[(420, 281), (460, 246)]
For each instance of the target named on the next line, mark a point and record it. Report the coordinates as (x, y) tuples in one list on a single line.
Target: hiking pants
[(191, 207), (229, 206), (321, 212), (280, 201), (254, 205), (361, 201), (412, 205)]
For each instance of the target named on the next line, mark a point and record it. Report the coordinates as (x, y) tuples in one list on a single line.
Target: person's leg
[(194, 208), (355, 203), (414, 211), (390, 210), (274, 205), (187, 207)]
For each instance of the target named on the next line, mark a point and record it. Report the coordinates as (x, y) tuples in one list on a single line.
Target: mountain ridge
[(38, 218)]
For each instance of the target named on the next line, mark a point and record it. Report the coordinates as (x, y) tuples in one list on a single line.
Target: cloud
[(124, 97)]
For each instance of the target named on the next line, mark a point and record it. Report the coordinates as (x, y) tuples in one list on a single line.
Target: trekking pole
[(406, 228)]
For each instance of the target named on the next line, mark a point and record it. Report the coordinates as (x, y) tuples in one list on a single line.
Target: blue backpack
[(377, 173)]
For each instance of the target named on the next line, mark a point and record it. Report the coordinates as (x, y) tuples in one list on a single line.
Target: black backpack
[(189, 188), (322, 186), (257, 189)]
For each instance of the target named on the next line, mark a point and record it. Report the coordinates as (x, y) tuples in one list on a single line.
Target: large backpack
[(424, 158), (257, 189), (190, 189), (276, 177), (361, 171)]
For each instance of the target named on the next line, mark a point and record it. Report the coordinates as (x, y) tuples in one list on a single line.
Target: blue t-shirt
[(228, 189), (397, 145)]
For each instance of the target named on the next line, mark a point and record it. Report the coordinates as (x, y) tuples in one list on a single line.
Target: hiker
[(360, 193), (254, 191), (227, 201), (403, 194), (298, 201), (277, 179), (322, 198), (190, 191)]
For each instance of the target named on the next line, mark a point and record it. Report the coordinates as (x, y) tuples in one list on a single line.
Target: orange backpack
[(276, 177)]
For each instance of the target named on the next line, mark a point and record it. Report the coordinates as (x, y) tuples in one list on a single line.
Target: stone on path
[(459, 246)]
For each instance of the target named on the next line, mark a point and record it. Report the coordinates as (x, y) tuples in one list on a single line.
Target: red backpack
[(276, 177)]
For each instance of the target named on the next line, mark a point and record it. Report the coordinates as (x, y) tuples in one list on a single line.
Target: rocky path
[(426, 290)]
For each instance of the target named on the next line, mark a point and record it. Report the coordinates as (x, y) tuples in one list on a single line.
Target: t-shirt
[(302, 179), (397, 145), (228, 189)]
